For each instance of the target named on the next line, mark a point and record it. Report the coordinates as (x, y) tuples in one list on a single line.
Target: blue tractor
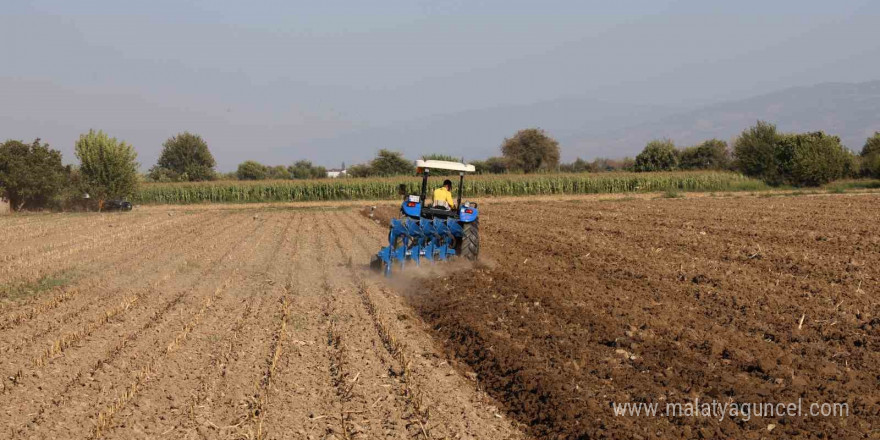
[(431, 232)]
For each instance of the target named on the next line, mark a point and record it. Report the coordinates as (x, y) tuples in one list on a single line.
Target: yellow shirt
[(443, 194)]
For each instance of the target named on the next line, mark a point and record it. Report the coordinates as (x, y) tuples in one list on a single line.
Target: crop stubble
[(218, 330), (266, 323)]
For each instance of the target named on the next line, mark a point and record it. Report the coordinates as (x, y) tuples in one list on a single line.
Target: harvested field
[(217, 324), (265, 323)]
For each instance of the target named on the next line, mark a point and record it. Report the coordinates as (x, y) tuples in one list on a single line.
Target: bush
[(251, 170), (710, 155), (361, 170), (387, 163), (108, 167), (813, 159), (444, 157), (578, 166), (872, 145), (658, 155), (531, 150), (492, 165), (804, 159), (390, 163), (755, 153), (870, 157), (277, 172), (598, 165), (304, 169), (870, 166), (32, 175), (185, 158)]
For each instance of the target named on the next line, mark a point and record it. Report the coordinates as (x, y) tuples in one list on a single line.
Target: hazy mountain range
[(589, 128), (851, 111)]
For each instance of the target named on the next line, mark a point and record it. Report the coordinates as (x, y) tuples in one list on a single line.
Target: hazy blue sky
[(278, 81)]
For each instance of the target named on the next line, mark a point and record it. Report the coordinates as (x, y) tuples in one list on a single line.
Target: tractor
[(431, 232)]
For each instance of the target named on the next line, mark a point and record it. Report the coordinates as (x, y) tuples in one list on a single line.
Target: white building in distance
[(335, 172)]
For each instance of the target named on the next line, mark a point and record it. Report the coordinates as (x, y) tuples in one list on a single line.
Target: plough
[(431, 233)]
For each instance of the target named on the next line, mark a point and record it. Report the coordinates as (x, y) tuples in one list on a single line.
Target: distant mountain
[(591, 128), (477, 134), (851, 111)]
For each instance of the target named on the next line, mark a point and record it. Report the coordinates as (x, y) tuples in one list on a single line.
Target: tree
[(658, 155), (872, 145), (578, 166), (531, 150), (304, 169), (755, 153), (360, 170), (30, 175), (710, 155), (108, 166), (492, 165), (800, 159), (390, 163), (443, 157), (870, 157), (185, 157), (813, 159), (251, 170), (278, 172)]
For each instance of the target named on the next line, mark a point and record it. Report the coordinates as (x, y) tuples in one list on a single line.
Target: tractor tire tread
[(470, 241)]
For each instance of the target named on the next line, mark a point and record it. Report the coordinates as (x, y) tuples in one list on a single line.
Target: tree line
[(32, 176), (761, 151)]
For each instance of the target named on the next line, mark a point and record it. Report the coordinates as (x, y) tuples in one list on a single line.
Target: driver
[(443, 196)]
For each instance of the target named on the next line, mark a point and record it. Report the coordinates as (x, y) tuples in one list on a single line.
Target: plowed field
[(739, 300), (265, 323)]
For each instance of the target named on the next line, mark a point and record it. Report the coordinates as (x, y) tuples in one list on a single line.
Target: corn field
[(475, 186)]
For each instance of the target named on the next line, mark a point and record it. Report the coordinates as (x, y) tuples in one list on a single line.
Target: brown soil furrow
[(305, 404), (252, 423), (630, 302), (20, 269), (93, 275), (224, 363), (161, 401), (341, 378), (445, 403), (85, 364), (681, 267), (47, 316), (30, 240), (364, 383), (103, 388), (392, 355), (63, 394), (787, 255)]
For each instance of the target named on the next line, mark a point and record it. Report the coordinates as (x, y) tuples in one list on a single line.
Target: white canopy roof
[(444, 165)]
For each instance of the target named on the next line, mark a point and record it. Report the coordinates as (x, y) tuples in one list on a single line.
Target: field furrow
[(262, 322)]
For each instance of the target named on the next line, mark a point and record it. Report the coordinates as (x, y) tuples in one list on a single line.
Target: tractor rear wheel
[(469, 247)]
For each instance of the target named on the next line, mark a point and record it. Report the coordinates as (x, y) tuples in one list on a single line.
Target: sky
[(279, 81)]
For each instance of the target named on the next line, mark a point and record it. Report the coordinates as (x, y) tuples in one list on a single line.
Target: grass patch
[(842, 186), (615, 199), (672, 194), (13, 292)]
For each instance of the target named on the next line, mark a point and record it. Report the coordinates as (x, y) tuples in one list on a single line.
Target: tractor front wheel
[(470, 241)]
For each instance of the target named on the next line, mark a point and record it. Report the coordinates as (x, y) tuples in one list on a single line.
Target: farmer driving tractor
[(443, 196)]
